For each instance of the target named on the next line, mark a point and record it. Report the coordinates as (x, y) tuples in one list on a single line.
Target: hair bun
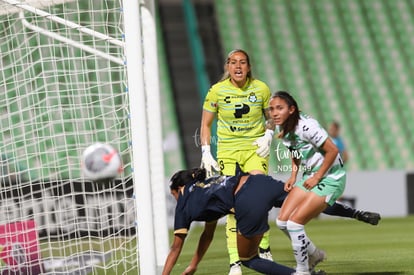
[(199, 174), (183, 177)]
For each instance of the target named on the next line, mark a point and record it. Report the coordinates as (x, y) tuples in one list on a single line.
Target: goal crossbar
[(34, 3), (68, 24)]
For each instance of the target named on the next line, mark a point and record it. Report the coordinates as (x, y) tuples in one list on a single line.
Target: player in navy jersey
[(249, 197)]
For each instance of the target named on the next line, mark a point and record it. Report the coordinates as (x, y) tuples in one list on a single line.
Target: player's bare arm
[(174, 253), (204, 242)]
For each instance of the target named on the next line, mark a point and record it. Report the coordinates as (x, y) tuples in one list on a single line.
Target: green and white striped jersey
[(306, 142)]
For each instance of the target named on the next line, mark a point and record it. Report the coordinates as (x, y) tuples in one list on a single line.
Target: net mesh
[(55, 100)]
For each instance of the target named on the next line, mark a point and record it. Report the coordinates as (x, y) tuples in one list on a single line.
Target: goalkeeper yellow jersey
[(240, 113)]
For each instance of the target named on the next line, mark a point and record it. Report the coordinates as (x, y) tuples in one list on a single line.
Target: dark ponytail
[(181, 178)]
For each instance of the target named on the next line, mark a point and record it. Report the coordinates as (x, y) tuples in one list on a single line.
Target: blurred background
[(346, 61), (349, 61)]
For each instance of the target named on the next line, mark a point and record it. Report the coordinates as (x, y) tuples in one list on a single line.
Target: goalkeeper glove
[(208, 162), (264, 143)]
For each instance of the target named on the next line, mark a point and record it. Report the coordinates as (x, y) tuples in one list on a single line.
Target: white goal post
[(73, 73)]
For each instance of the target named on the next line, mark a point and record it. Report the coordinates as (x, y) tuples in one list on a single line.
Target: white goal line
[(72, 25)]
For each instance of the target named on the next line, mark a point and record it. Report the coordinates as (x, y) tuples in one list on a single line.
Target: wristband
[(271, 132), (205, 149)]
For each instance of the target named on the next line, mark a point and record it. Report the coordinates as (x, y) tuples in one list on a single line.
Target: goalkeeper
[(240, 102)]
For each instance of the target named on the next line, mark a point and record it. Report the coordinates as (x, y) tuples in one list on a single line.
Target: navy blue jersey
[(254, 200), (213, 198), (204, 201)]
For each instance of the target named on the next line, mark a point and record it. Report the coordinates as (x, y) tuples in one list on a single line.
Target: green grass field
[(352, 247)]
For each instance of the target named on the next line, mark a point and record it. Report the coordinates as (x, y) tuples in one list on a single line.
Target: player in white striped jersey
[(323, 181), (305, 144)]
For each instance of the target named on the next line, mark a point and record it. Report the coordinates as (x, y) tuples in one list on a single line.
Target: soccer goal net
[(62, 88)]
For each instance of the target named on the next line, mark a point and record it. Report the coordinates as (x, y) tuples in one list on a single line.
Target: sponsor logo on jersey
[(241, 109), (252, 98), (240, 129)]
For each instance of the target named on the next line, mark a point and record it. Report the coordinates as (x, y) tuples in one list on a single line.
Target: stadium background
[(345, 60), (348, 60)]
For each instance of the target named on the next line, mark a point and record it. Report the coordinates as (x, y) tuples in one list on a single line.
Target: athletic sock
[(282, 225), (265, 242), (341, 210), (311, 247), (300, 244), (232, 239), (267, 267)]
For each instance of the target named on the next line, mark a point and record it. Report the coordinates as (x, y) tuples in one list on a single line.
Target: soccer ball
[(101, 161)]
